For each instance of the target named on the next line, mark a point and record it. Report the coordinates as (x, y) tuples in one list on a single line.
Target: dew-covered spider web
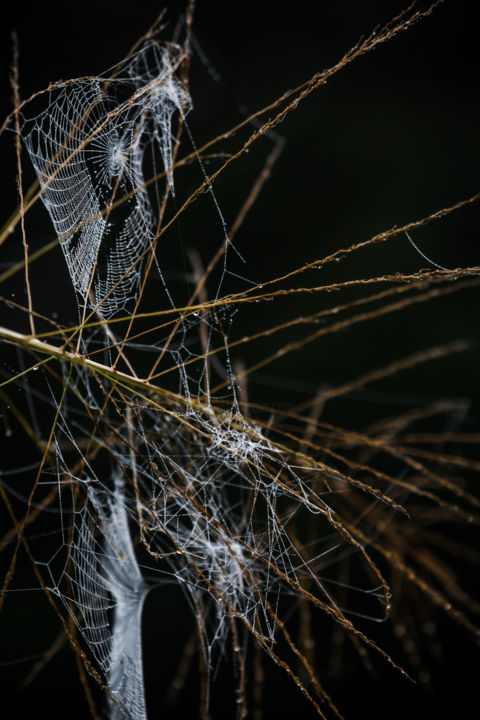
[(88, 148), (215, 507), (210, 497), (107, 595), (156, 468)]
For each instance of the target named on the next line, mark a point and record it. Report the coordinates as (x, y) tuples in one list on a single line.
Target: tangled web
[(88, 148), (183, 482), (216, 505)]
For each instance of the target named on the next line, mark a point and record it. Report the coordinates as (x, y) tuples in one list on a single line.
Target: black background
[(390, 139)]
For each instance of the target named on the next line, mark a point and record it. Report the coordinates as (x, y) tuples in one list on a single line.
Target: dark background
[(390, 139)]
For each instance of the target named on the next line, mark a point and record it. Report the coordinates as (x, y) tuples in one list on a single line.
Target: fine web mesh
[(107, 595), (88, 148)]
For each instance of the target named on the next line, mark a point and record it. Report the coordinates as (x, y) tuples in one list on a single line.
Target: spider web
[(88, 148), (218, 505), (214, 502), (106, 594)]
